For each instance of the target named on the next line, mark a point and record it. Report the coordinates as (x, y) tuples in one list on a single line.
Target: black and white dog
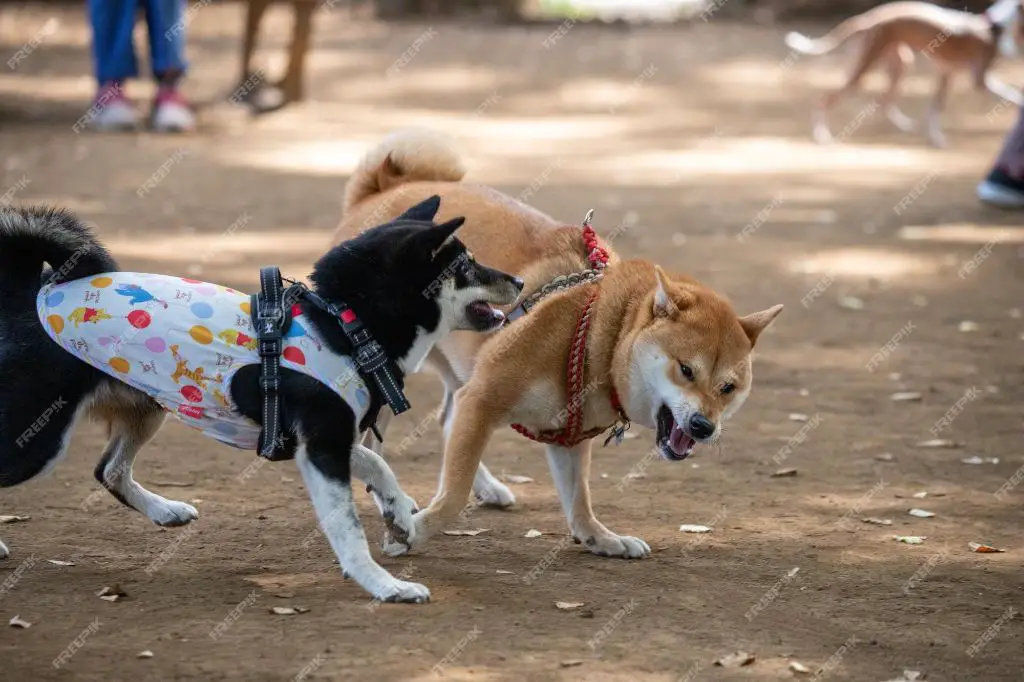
[(409, 281)]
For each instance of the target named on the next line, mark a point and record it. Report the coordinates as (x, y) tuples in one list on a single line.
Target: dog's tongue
[(679, 441)]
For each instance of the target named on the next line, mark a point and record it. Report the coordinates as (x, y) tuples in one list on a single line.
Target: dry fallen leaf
[(938, 443), (58, 562), (533, 533), (851, 303), (466, 532), (974, 459), (112, 593), (884, 457), (921, 495), (910, 539), (144, 654), (921, 513), (984, 549), (798, 667), (501, 572), (17, 622), (968, 326), (783, 473), (694, 528), (571, 663), (516, 478), (288, 610), (905, 396), (13, 519), (635, 475), (740, 658), (797, 417), (568, 605), (877, 522)]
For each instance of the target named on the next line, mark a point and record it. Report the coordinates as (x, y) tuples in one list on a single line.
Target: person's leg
[(166, 24), (112, 24), (1004, 186)]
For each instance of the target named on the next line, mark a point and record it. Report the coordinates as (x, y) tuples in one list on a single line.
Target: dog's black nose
[(519, 284), (700, 427)]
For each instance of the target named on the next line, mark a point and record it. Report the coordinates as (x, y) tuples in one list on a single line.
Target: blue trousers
[(113, 51)]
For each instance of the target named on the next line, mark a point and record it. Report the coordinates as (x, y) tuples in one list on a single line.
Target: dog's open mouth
[(672, 441), (482, 316)]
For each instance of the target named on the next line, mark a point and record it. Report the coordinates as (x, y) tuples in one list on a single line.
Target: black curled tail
[(32, 237)]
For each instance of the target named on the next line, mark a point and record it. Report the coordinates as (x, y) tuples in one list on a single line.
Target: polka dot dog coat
[(181, 341)]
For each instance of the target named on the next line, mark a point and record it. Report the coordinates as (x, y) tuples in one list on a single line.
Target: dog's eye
[(728, 388), (686, 370)]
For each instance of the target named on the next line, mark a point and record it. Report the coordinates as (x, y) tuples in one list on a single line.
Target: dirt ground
[(692, 144)]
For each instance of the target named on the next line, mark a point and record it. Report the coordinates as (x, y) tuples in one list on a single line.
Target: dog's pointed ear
[(755, 323), (438, 237), (424, 211), (664, 306)]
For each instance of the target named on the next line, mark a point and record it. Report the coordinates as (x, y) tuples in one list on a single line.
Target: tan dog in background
[(673, 351), (953, 40)]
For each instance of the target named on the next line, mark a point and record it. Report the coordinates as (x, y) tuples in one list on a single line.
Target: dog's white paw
[(4, 552), (494, 494), (622, 546), (171, 513), (902, 122), (823, 135), (403, 592)]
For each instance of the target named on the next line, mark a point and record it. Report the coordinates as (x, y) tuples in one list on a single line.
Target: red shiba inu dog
[(613, 341)]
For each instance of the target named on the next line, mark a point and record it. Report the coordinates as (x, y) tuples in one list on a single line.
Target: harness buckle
[(270, 346), (370, 356)]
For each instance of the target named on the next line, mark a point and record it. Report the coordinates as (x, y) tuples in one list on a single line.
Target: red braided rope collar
[(571, 435)]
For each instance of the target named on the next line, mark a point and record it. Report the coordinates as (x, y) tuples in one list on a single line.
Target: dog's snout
[(518, 283), (701, 427)]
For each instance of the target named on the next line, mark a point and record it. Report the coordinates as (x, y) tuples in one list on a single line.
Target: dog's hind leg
[(570, 467), (938, 103), (873, 48), (896, 65), (133, 420), (488, 490)]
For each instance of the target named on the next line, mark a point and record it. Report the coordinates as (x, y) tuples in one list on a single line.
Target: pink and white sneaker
[(111, 110), (171, 112)]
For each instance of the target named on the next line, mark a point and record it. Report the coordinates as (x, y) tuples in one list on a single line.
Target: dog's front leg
[(395, 506), (475, 417), (1002, 90), (935, 108), (329, 487), (570, 467)]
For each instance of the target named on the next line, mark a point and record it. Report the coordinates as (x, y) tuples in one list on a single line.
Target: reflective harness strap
[(270, 316)]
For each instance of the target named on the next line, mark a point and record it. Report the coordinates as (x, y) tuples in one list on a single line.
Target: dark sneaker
[(1001, 191)]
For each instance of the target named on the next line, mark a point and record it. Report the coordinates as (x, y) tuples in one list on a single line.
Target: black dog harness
[(271, 316)]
